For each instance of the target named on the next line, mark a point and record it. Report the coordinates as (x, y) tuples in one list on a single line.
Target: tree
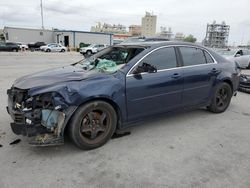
[(190, 38)]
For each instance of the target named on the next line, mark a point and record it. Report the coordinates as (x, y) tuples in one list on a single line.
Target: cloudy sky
[(186, 16)]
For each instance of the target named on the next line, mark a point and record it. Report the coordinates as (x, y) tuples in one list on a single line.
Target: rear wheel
[(47, 50), (62, 50), (15, 50), (88, 52), (93, 124), (221, 99)]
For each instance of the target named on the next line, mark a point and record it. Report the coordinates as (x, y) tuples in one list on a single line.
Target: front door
[(151, 92)]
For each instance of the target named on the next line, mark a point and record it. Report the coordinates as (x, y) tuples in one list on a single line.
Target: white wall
[(28, 35), (93, 38)]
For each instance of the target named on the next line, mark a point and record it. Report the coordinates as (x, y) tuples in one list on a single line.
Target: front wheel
[(62, 50), (89, 53), (93, 124), (221, 99), (47, 50)]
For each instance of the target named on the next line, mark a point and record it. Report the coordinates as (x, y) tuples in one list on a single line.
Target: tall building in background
[(166, 33), (135, 30), (148, 25), (179, 37), (109, 28), (217, 35)]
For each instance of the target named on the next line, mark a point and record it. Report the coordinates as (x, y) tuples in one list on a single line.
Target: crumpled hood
[(52, 76)]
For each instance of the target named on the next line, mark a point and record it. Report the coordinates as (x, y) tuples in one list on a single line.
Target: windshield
[(109, 60), (226, 52)]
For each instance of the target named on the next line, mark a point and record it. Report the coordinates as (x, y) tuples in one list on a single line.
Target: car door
[(151, 92), (241, 58), (199, 74), (56, 48), (245, 58), (2, 48)]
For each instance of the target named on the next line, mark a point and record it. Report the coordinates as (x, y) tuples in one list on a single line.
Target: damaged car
[(244, 83), (117, 87)]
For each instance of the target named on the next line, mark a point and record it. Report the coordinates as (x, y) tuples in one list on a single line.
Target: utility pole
[(41, 4)]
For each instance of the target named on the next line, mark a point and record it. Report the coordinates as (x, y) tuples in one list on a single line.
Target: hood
[(53, 76)]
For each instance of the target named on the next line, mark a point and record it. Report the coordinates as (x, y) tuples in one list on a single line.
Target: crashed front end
[(244, 83), (42, 117)]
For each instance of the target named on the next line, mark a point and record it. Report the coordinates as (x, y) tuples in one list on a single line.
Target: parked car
[(9, 46), (244, 83), (107, 92), (36, 46), (241, 56), (22, 46), (53, 47), (92, 49)]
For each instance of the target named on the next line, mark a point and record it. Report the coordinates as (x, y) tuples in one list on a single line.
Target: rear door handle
[(176, 75)]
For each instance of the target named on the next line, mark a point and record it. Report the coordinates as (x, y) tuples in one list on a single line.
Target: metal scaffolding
[(217, 35)]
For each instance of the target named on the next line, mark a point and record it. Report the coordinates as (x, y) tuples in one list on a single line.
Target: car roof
[(157, 44)]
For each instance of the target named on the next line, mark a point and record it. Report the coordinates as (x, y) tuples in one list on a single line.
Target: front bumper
[(45, 126)]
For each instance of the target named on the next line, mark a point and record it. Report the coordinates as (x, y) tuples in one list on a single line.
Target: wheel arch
[(228, 81), (105, 99)]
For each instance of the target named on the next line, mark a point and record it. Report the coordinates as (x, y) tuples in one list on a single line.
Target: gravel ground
[(192, 149)]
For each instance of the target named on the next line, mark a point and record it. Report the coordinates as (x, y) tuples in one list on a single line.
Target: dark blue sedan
[(118, 86)]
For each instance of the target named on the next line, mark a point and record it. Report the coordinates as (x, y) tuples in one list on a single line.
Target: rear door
[(199, 73), (155, 92)]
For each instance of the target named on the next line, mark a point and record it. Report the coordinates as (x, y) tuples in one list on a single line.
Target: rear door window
[(192, 56)]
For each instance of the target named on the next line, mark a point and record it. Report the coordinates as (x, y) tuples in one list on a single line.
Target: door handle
[(176, 75)]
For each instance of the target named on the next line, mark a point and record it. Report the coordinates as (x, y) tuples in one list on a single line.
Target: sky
[(185, 16)]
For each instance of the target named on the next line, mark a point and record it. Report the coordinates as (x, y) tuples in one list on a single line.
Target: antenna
[(42, 12)]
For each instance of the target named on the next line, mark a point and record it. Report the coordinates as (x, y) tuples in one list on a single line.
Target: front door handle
[(176, 76)]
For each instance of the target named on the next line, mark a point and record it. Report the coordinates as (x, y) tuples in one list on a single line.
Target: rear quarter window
[(209, 59)]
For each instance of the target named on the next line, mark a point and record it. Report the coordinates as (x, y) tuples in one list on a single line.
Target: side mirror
[(145, 67)]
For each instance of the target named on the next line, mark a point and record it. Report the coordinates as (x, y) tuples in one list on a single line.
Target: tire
[(221, 98), (15, 50), (47, 50), (89, 53), (248, 67), (92, 125), (62, 50)]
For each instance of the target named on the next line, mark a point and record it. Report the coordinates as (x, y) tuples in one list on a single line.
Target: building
[(66, 37), (179, 37), (217, 35), (27, 35), (109, 28), (148, 25), (135, 30), (166, 33), (74, 38)]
